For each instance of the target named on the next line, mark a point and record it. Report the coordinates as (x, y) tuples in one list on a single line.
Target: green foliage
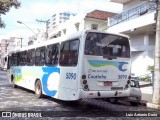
[(150, 68), (146, 78), (5, 6)]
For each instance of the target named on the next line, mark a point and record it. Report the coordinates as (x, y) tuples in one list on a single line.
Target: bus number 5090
[(122, 76), (71, 76)]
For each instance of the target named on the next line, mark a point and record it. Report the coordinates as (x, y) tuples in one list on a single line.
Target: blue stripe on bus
[(47, 72)]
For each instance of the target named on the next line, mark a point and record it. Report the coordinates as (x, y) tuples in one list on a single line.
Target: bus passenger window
[(69, 53), (30, 57), (23, 58), (39, 56), (49, 58), (52, 52)]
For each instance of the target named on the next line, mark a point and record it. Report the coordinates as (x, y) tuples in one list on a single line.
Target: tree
[(156, 92), (5, 6)]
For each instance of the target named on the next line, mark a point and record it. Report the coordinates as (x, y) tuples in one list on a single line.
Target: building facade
[(96, 20), (58, 18), (5, 46), (138, 22)]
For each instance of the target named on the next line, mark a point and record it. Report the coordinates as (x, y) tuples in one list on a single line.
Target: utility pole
[(156, 93), (46, 22)]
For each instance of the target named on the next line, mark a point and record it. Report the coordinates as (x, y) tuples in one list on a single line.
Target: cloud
[(47, 10), (105, 6), (43, 10), (17, 33)]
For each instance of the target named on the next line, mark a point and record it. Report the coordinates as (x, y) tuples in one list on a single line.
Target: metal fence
[(133, 13)]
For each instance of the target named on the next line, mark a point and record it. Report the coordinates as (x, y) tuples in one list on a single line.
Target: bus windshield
[(107, 45)]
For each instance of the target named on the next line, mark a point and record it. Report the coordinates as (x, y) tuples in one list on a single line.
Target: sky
[(31, 10)]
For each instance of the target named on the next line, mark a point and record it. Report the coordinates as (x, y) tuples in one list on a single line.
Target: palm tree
[(156, 92)]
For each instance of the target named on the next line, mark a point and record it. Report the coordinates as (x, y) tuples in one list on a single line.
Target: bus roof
[(61, 39)]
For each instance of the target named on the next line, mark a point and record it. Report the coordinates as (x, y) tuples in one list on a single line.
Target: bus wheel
[(113, 100), (38, 89), (13, 82), (134, 103)]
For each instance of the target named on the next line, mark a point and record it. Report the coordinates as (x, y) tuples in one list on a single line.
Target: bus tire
[(134, 103), (38, 89), (113, 100), (13, 82)]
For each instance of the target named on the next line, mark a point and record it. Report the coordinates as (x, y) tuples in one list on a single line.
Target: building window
[(64, 31), (94, 26), (77, 26)]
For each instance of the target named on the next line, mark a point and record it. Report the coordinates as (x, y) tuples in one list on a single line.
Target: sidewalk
[(147, 92), (144, 84)]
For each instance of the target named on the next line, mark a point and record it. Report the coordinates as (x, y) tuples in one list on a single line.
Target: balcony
[(142, 48), (120, 1), (133, 13)]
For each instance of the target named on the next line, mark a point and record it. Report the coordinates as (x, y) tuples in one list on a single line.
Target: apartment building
[(5, 46), (58, 18), (96, 20), (138, 22)]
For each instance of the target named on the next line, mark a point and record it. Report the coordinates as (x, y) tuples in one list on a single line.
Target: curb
[(143, 103), (146, 85)]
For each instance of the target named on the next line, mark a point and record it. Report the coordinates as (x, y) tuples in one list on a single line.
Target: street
[(22, 100)]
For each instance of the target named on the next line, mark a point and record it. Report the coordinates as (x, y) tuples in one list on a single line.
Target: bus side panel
[(49, 76), (16, 71), (50, 81), (68, 84)]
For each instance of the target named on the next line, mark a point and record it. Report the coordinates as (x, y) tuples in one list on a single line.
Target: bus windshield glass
[(107, 45)]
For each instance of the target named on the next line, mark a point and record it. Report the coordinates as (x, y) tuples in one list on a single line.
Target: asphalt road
[(20, 102)]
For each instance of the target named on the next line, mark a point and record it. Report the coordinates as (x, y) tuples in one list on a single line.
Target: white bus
[(87, 64)]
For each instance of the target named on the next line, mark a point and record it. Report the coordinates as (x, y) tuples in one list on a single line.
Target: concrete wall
[(140, 62), (137, 40), (102, 24), (144, 55), (138, 22)]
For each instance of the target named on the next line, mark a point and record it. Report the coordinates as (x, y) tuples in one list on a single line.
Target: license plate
[(107, 83)]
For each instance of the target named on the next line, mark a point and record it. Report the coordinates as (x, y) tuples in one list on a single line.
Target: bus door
[(69, 64)]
